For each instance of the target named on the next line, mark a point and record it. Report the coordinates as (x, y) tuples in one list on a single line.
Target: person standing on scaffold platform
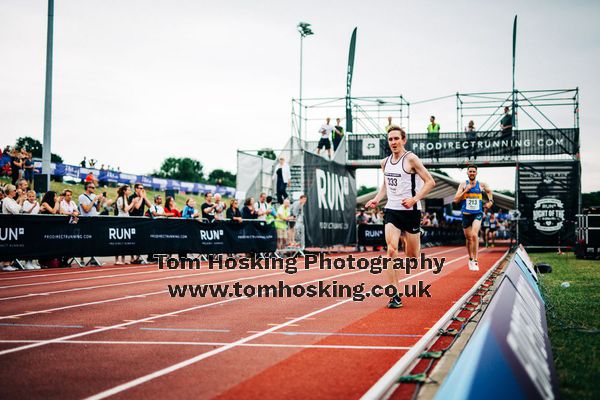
[(406, 182)]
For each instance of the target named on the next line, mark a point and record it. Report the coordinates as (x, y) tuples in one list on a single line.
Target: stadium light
[(305, 30)]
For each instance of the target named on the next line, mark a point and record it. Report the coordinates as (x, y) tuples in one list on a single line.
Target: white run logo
[(211, 235), (331, 190), (120, 233), (10, 234)]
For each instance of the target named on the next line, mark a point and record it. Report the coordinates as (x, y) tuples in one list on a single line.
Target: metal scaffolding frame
[(369, 113)]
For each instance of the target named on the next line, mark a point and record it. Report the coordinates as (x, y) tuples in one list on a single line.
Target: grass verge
[(573, 315)]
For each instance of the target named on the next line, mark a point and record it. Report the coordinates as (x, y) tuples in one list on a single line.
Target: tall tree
[(35, 147), (184, 169), (222, 178)]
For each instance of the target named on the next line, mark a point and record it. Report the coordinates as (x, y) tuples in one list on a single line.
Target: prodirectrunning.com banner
[(44, 236), (329, 214)]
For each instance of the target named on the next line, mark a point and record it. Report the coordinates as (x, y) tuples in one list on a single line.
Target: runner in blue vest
[(470, 194)]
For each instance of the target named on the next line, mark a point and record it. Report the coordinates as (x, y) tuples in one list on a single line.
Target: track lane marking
[(202, 356), (305, 346), (127, 297)]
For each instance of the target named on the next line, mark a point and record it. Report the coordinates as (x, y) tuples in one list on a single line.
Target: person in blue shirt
[(470, 194), (189, 211)]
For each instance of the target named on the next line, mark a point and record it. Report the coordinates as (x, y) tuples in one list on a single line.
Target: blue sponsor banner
[(509, 355), (60, 169)]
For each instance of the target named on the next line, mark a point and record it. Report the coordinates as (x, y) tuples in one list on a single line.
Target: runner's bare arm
[(490, 195), (429, 183), (459, 193), (382, 190)]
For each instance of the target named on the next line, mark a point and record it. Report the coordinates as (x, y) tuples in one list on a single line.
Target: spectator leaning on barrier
[(67, 205), (170, 209), (282, 178), (138, 200), (157, 210), (89, 203), (31, 205), (123, 204), (281, 223), (248, 211), (189, 212), (50, 203), (271, 212), (233, 213), (219, 207), (11, 204), (261, 207), (208, 208)]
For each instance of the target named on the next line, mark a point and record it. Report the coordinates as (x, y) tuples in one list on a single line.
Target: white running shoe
[(29, 265), (9, 268), (473, 265)]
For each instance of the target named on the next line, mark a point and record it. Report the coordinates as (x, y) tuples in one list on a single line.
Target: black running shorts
[(324, 142), (407, 221)]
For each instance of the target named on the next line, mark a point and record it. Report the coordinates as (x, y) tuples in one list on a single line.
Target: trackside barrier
[(382, 387), (509, 354), (48, 236)]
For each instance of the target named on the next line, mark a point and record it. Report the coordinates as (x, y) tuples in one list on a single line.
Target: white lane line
[(302, 346), (114, 284), (287, 333), (87, 271), (111, 285), (124, 324), (27, 313), (128, 297), (200, 357), (154, 316), (80, 279), (41, 325)]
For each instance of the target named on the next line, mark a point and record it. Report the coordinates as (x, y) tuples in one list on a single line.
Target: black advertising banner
[(532, 142), (349, 127), (373, 235), (548, 198), (45, 236), (329, 213)]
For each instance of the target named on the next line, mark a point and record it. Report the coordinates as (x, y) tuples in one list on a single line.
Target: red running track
[(116, 332)]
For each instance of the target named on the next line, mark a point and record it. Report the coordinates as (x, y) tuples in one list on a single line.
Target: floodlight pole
[(304, 29), (46, 148), (300, 97)]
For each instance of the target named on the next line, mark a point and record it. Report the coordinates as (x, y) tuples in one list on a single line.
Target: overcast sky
[(138, 81)]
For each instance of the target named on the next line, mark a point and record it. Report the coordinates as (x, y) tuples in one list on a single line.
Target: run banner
[(329, 213), (46, 236)]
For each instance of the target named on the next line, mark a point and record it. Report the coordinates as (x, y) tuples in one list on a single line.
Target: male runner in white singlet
[(406, 182), (470, 194)]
